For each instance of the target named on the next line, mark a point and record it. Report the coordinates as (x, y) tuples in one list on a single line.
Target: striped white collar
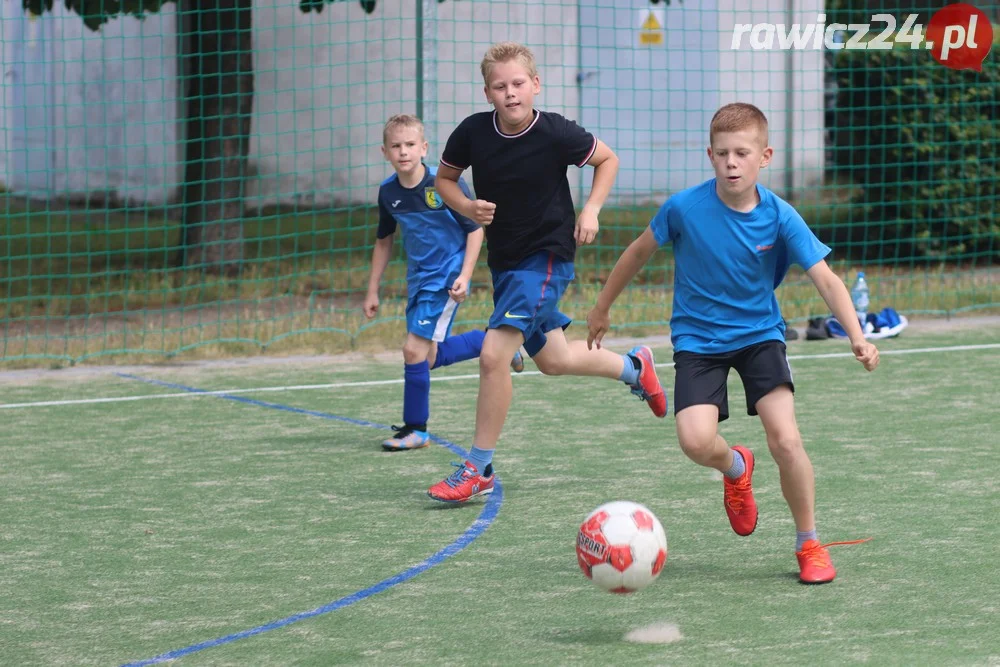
[(496, 126)]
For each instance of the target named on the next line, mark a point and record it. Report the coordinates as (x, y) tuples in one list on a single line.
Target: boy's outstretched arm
[(380, 260), (634, 258), (460, 288), (605, 164), (836, 296), (479, 211)]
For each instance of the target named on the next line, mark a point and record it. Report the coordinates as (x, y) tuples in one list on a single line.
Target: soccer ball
[(621, 547)]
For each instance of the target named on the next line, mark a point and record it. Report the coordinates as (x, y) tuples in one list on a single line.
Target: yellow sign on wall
[(651, 23)]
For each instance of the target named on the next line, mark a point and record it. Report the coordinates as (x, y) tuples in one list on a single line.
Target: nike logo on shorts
[(510, 316)]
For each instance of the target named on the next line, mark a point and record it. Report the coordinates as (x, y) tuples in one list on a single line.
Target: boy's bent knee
[(698, 446), (697, 430), (499, 348), (550, 365), (697, 422), (492, 360), (415, 353)]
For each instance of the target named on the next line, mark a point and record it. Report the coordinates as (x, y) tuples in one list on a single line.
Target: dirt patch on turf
[(29, 376)]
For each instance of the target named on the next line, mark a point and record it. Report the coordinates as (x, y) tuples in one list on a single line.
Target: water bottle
[(860, 297)]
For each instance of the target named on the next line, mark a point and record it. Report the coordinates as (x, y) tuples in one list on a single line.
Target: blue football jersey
[(433, 234), (728, 264)]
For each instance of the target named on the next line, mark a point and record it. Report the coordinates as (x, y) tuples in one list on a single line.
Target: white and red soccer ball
[(621, 547)]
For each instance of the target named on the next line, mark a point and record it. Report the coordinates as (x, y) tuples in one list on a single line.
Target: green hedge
[(921, 140)]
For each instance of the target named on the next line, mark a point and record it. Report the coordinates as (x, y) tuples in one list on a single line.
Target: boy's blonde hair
[(503, 52), (401, 120), (737, 117)]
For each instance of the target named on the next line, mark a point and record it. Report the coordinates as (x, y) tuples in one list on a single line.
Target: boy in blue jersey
[(519, 157), (733, 242), (441, 248)]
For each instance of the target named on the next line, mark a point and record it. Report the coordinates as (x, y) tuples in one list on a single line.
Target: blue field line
[(482, 522), (274, 406)]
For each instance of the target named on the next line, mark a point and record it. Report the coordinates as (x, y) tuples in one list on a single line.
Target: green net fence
[(203, 181)]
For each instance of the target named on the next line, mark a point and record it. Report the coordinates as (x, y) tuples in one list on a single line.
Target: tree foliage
[(921, 141), (860, 11), (96, 13)]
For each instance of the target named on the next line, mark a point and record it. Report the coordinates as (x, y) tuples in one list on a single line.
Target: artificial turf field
[(144, 522)]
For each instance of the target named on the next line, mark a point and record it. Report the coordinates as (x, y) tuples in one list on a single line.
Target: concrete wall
[(87, 113), (327, 84)]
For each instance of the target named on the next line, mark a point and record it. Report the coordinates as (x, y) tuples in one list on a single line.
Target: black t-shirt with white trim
[(524, 174)]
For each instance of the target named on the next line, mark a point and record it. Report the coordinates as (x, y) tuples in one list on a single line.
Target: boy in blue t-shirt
[(733, 242), (441, 248)]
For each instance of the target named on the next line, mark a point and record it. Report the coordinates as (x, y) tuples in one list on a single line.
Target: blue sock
[(802, 536), (738, 468), (480, 458), (454, 349), (630, 371), (416, 394)]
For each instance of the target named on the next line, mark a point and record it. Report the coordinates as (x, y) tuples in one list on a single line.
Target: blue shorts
[(526, 298), (430, 315)]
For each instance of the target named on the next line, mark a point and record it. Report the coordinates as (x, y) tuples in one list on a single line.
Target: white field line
[(447, 378)]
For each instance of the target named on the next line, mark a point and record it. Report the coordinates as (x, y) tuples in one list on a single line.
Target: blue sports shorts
[(430, 315), (527, 298)]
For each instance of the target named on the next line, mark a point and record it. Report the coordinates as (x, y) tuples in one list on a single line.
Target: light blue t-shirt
[(727, 266), (433, 234)]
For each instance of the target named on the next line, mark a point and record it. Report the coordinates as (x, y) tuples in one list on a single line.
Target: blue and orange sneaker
[(648, 388), (517, 363), (463, 484), (407, 437), (737, 496)]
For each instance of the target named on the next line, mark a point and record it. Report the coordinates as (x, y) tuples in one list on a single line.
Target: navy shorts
[(430, 314), (700, 379), (527, 298)]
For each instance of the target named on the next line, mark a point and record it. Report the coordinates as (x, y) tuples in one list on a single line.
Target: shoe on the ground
[(463, 484), (815, 566), (517, 363), (406, 438), (741, 508), (648, 388)]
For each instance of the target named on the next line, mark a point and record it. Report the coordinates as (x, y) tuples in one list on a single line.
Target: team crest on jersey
[(432, 198)]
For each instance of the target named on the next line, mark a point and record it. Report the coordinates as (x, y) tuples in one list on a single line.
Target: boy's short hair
[(503, 52), (737, 117), (401, 120)]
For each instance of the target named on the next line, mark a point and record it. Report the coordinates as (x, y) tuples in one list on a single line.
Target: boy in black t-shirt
[(519, 157)]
